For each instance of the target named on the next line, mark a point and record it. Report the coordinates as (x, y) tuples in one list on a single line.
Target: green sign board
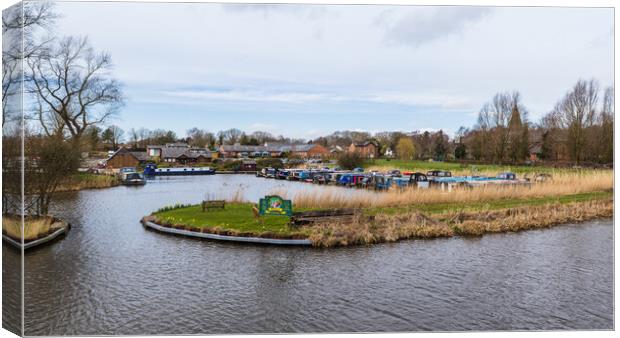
[(275, 205)]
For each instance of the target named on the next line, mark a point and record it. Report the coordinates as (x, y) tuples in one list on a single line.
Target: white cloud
[(446, 101), (426, 24)]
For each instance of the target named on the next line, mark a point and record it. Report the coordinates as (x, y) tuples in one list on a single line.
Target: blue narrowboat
[(282, 174), (382, 182), (152, 170)]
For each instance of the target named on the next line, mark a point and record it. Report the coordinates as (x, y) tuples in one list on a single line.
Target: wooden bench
[(308, 217), (213, 204)]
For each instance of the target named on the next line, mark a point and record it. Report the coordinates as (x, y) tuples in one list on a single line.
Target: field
[(459, 169)]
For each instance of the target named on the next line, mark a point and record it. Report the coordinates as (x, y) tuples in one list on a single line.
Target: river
[(111, 276)]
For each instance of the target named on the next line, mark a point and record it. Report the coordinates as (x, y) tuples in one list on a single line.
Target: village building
[(180, 153), (125, 157), (368, 149), (274, 150)]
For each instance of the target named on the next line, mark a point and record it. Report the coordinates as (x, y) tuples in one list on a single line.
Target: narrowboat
[(351, 179), (382, 182), (321, 178), (395, 173), (270, 173), (133, 178), (413, 179), (432, 174), (282, 174), (152, 170)]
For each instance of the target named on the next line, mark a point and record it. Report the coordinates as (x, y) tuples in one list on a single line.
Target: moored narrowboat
[(152, 170), (133, 178)]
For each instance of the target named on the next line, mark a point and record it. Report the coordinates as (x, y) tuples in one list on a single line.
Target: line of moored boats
[(385, 180), (348, 178)]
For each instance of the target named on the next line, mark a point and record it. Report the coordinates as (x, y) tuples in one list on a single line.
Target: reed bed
[(88, 181), (389, 228), (564, 183), (33, 227)]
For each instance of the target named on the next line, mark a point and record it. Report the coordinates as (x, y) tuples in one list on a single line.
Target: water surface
[(111, 276)]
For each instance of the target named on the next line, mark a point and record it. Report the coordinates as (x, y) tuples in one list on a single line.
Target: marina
[(392, 179)]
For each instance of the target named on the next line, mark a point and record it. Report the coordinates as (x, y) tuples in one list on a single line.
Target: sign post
[(275, 205)]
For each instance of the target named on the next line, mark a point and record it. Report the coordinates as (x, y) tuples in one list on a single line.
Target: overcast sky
[(309, 70)]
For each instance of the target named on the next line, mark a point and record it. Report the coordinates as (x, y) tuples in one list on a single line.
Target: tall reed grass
[(88, 181), (562, 184), (33, 227)]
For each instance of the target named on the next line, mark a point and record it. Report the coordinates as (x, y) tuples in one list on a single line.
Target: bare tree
[(74, 87), (19, 23), (575, 113), (606, 121), (230, 136), (113, 135)]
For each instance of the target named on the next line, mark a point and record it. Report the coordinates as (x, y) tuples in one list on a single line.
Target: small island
[(37, 230), (331, 227)]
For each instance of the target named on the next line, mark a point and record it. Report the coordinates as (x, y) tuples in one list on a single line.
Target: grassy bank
[(463, 169), (394, 223), (34, 228), (82, 181)]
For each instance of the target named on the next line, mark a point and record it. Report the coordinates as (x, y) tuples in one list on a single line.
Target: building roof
[(138, 155), (365, 144), (270, 147)]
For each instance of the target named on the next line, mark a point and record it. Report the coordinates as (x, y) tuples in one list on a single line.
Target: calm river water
[(111, 276)]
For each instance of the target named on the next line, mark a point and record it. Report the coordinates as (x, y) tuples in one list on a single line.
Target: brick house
[(368, 149)]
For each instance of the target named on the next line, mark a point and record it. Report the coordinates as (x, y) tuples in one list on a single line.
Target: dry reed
[(561, 184), (33, 227), (389, 228)]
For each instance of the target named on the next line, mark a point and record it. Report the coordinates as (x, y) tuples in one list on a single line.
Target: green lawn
[(425, 165), (235, 216)]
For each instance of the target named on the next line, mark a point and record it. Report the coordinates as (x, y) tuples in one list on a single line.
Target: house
[(306, 150), (335, 150), (180, 153), (274, 150), (367, 149), (388, 152), (238, 150), (125, 157)]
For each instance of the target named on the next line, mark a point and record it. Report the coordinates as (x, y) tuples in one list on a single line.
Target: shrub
[(350, 161), (269, 162)]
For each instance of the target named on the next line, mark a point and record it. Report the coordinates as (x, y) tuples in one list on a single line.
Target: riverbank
[(378, 225), (81, 181)]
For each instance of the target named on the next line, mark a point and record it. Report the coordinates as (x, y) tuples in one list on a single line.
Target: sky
[(309, 70)]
